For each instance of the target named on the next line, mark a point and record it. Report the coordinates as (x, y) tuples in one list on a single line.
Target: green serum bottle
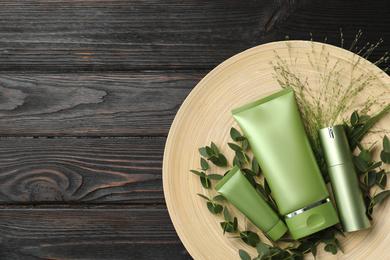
[(344, 179)]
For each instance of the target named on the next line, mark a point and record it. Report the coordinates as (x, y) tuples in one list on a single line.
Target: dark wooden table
[(88, 91)]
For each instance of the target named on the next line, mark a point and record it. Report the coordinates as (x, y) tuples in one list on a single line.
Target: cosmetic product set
[(276, 134)]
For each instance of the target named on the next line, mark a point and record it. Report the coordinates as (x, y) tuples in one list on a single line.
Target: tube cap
[(312, 220), (277, 231)]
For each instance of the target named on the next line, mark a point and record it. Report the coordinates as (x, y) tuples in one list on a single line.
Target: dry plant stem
[(331, 101)]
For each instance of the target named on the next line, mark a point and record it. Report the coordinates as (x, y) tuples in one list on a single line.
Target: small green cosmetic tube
[(275, 132), (236, 188), (344, 179)]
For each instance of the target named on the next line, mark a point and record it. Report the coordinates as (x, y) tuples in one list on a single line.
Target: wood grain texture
[(109, 170), (117, 35), (133, 104), (127, 233), (323, 20), (67, 35)]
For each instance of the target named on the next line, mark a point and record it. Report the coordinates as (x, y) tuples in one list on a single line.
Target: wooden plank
[(323, 20), (85, 35), (119, 35), (128, 233), (133, 104), (73, 170)]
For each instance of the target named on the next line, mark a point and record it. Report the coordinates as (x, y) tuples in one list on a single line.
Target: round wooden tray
[(205, 116)]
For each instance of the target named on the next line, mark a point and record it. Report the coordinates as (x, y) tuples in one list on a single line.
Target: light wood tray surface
[(205, 116)]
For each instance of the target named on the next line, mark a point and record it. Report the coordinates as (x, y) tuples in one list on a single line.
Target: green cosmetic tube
[(236, 188), (344, 179), (278, 139)]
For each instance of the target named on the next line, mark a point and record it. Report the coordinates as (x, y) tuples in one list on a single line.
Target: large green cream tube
[(278, 139), (236, 188)]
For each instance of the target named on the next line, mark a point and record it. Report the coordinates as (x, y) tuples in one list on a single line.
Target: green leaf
[(363, 118), (296, 252), (236, 162), (218, 208), (214, 209), (201, 174), (203, 196), (259, 257), (272, 205), (348, 130), (255, 166), (365, 155), (251, 180), (386, 144), (381, 179), (219, 198), (215, 177), (360, 163), (328, 240), (227, 227), (266, 187), (373, 166), (313, 249), (367, 202), (251, 238), (331, 248), (248, 171), (234, 134), (357, 128), (218, 160), (385, 157), (224, 226), (329, 233), (244, 255), (363, 186), (261, 190), (205, 183), (244, 144), (222, 158), (305, 246), (203, 164), (263, 249), (235, 223), (209, 151), (379, 197), (241, 138), (235, 147), (338, 231), (369, 178), (354, 118), (203, 152), (226, 214), (359, 135), (241, 156), (338, 244), (210, 206), (214, 148)]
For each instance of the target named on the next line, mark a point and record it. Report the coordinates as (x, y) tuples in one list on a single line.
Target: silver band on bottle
[(299, 211)]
